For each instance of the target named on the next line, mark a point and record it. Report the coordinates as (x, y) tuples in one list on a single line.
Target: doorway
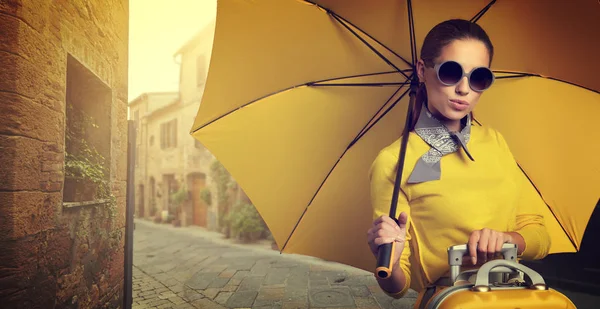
[(199, 207)]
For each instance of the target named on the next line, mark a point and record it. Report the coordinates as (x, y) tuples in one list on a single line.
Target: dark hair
[(438, 37)]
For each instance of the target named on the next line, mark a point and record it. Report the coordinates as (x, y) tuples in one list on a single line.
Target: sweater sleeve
[(382, 177), (530, 222)]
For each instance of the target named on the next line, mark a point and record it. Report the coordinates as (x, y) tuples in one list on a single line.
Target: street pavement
[(194, 268)]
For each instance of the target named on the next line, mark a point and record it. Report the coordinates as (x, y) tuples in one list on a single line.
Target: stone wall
[(55, 256)]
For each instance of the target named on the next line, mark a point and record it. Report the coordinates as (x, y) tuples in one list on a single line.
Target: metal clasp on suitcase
[(456, 254)]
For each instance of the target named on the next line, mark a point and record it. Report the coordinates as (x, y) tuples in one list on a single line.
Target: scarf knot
[(442, 142)]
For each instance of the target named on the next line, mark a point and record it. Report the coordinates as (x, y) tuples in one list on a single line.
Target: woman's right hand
[(384, 230)]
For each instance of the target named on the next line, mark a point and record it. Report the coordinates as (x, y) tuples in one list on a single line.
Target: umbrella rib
[(550, 208), (350, 76), (367, 44), (338, 161), (523, 74), (359, 84), (482, 12), (339, 19), (290, 88), (370, 124), (362, 31), (411, 29)]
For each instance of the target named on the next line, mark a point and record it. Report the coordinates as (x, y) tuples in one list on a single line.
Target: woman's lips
[(459, 104)]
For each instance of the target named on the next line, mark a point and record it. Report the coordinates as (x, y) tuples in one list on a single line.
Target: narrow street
[(194, 268)]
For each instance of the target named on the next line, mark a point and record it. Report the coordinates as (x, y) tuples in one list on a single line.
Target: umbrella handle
[(385, 256)]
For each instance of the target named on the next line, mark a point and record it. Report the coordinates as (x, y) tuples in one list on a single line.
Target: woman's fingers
[(402, 220), (491, 247), (485, 244), (499, 243), (472, 245), (384, 230)]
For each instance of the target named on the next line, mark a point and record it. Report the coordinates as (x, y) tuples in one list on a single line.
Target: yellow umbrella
[(301, 97)]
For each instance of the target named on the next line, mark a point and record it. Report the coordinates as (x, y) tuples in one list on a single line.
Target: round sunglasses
[(451, 72)]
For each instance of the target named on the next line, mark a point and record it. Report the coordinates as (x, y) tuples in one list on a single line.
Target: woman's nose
[(462, 88)]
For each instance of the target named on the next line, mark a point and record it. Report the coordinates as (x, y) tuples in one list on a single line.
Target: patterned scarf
[(442, 142)]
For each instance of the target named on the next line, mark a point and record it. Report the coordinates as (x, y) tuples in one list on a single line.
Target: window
[(87, 136), (200, 70), (168, 134)]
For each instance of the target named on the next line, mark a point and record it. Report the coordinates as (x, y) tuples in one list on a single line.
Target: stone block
[(250, 284), (201, 281), (366, 303), (219, 282), (18, 264), (227, 274), (222, 297), (360, 291), (20, 168), (33, 81), (9, 32), (330, 297), (211, 292), (206, 304), (276, 276), (241, 299), (34, 13), (294, 305), (24, 117), (268, 296), (27, 213)]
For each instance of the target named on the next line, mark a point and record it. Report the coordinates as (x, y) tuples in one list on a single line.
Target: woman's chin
[(453, 115)]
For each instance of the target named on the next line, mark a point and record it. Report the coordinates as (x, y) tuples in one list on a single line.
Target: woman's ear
[(421, 70)]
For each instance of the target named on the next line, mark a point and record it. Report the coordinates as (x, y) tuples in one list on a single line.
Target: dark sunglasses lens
[(481, 79), (450, 73)]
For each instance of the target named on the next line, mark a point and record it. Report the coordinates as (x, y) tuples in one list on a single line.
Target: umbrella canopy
[(302, 95)]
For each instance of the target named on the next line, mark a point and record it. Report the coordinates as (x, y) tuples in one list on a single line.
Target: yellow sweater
[(490, 192)]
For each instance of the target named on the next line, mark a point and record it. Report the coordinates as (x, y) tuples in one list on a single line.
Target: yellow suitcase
[(501, 283)]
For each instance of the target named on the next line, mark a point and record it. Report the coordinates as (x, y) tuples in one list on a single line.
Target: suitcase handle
[(482, 283), (456, 253)]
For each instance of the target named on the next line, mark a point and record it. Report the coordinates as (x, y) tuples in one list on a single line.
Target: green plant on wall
[(206, 196), (84, 165), (222, 178), (178, 198)]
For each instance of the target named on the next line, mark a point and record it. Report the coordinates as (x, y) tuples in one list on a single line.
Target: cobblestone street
[(193, 268)]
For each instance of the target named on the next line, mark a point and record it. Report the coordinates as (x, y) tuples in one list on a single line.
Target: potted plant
[(245, 222), (177, 200)]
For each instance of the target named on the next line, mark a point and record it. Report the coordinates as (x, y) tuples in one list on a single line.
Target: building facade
[(63, 143), (169, 159)]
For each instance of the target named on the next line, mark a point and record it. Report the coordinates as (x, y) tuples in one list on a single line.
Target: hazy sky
[(157, 29)]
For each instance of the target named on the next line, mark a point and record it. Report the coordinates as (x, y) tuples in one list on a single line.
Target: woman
[(460, 182)]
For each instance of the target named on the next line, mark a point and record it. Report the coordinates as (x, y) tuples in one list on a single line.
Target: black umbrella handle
[(385, 255), (385, 258)]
